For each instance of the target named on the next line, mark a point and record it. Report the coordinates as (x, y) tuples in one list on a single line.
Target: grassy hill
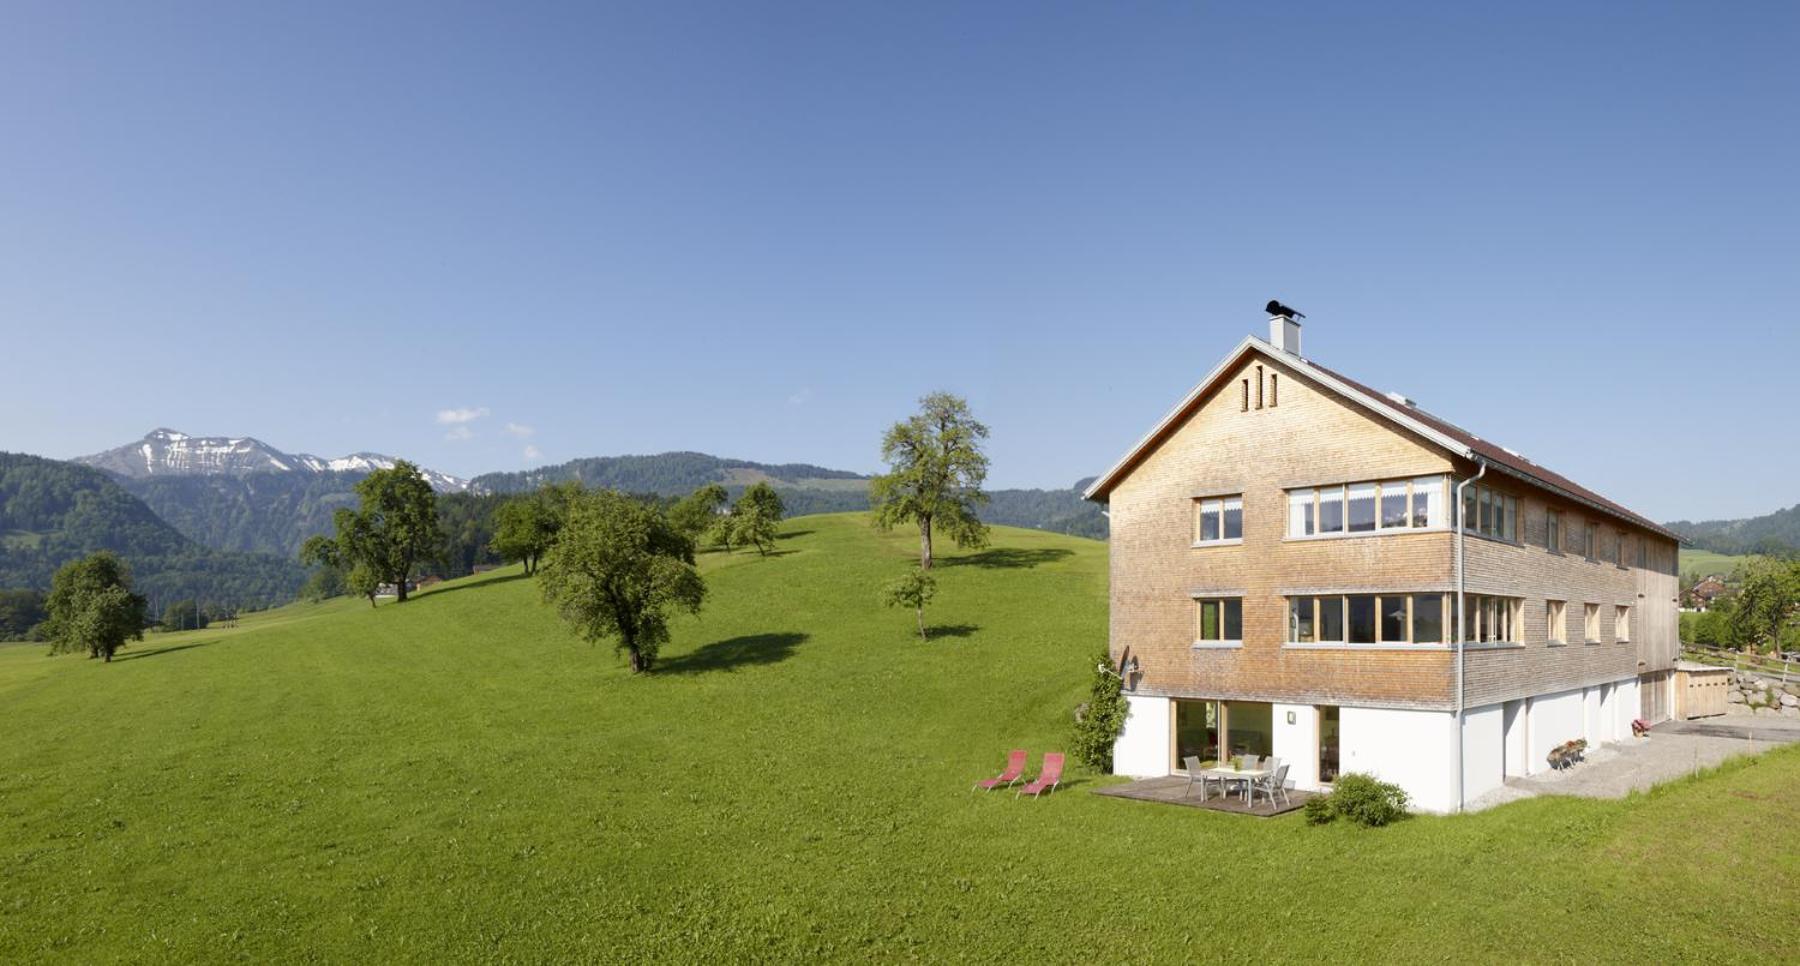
[(457, 778), (1706, 562)]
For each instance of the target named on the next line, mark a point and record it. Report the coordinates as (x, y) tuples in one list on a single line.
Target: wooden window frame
[(1556, 622)]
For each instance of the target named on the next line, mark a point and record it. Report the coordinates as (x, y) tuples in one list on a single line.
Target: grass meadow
[(457, 778)]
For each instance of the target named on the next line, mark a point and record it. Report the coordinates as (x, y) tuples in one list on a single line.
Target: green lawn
[(456, 778), (1706, 562)]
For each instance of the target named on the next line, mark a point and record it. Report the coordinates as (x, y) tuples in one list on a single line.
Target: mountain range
[(1777, 533), (164, 453)]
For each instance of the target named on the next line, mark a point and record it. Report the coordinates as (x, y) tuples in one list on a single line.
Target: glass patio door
[(1197, 730)]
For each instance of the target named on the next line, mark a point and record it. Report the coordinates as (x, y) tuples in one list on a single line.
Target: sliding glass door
[(1196, 732)]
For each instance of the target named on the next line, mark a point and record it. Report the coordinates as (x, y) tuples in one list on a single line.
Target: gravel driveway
[(1673, 749)]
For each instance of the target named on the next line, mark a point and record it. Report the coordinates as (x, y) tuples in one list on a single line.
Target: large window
[(1492, 619), (1219, 519), (1215, 730), (1490, 513), (1197, 731), (1219, 620), (1553, 530), (1556, 622), (1367, 619), (1590, 618), (1590, 541), (1367, 507)]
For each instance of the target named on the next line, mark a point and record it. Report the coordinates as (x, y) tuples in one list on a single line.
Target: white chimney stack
[(1284, 334)]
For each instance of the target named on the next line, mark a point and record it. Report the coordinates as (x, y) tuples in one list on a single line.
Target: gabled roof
[(1444, 434)]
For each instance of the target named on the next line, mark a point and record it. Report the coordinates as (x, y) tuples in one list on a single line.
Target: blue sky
[(764, 230)]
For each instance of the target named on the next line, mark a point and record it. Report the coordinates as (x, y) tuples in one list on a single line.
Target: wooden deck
[(1172, 790)]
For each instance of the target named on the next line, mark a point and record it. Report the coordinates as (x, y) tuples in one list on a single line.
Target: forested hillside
[(1777, 534), (269, 513), (53, 512)]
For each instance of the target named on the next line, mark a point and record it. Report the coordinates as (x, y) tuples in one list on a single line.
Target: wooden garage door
[(1653, 696)]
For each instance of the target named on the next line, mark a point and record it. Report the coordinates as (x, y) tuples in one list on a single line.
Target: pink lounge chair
[(1015, 770), (1049, 777)]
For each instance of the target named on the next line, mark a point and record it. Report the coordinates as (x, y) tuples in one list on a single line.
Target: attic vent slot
[(1259, 387), (1245, 407), (1272, 389)]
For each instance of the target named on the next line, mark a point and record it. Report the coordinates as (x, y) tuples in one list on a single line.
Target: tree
[(92, 607), (21, 611), (914, 590), (618, 568), (756, 517), (524, 529), (1099, 721), (1766, 601), (394, 529), (183, 615), (937, 468), (696, 514)]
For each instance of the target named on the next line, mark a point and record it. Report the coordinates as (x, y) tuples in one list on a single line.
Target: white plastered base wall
[(1142, 749)]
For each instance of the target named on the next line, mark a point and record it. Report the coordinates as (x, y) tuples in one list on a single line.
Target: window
[(1622, 624), (1591, 622), (1428, 619), (1492, 619), (1618, 548), (1556, 622), (1367, 619), (1245, 407), (1428, 502), (1331, 509), (1359, 503), (1259, 387), (1643, 553), (1272, 387), (1220, 620), (1367, 507), (1301, 522), (1490, 513), (1393, 505), (1553, 531), (1221, 519), (1590, 541)]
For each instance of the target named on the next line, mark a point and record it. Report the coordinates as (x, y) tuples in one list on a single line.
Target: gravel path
[(1673, 749)]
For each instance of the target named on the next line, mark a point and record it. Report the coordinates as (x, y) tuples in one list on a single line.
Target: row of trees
[(1761, 612)]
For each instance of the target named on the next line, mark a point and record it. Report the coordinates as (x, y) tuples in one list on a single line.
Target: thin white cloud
[(456, 417), (800, 398), (532, 452), (520, 430), (459, 433)]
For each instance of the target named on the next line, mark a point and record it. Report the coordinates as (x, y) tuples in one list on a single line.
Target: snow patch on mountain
[(165, 452)]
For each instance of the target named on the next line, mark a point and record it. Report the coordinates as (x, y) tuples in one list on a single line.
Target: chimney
[(1284, 334)]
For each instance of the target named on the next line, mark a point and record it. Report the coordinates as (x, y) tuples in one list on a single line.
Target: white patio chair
[(1273, 786), (1195, 774)]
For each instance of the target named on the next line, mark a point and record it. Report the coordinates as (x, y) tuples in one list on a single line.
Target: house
[(1293, 553), (1700, 596)]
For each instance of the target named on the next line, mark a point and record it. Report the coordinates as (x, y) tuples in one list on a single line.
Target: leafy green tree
[(524, 530), (363, 581), (183, 615), (1099, 721), (696, 514), (756, 517), (1766, 601), (914, 590), (617, 570), (937, 469), (394, 529), (92, 607), (21, 611)]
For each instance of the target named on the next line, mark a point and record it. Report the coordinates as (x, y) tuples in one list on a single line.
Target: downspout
[(1462, 621)]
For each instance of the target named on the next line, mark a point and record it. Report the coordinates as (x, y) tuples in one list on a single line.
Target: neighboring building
[(1700, 597), (1286, 570)]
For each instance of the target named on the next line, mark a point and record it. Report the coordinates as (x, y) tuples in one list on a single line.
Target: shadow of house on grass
[(733, 653), (1008, 558)]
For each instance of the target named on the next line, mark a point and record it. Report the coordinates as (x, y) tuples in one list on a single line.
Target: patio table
[(1245, 775)]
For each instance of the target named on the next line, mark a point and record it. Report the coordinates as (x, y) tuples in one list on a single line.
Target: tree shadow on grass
[(447, 588), (735, 652), (1009, 558), (133, 655), (951, 630), (791, 534)]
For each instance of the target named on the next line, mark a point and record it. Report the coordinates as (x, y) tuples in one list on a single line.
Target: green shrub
[(1359, 798), (1099, 721), (1366, 801)]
